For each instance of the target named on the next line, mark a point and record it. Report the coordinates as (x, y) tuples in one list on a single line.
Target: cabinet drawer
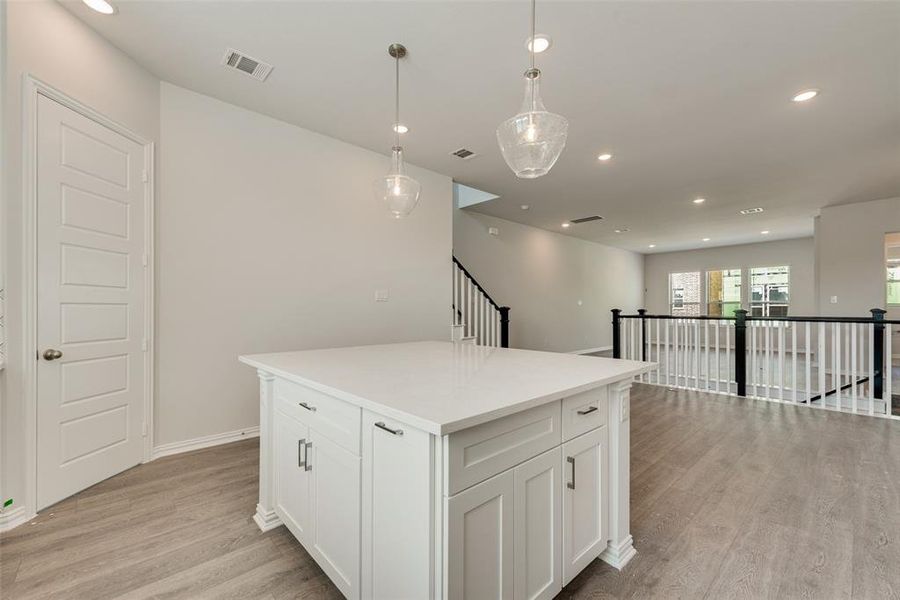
[(475, 454), (333, 418), (583, 412)]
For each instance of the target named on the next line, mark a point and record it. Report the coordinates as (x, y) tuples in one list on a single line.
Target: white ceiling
[(692, 98)]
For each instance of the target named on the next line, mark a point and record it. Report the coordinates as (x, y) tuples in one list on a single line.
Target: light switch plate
[(381, 295), (834, 299)]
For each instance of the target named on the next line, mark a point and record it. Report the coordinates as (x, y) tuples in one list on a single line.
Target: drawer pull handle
[(306, 462), (301, 456), (587, 411), (381, 425), (571, 461), (308, 407)]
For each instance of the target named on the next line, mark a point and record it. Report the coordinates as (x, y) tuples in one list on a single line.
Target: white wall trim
[(13, 518), (206, 441), (590, 350), (31, 88)]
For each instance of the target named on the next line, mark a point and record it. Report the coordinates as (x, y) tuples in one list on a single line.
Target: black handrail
[(503, 310), (741, 318)]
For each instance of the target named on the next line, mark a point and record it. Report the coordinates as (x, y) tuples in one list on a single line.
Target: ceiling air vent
[(463, 153), (256, 69), (751, 211), (587, 219)]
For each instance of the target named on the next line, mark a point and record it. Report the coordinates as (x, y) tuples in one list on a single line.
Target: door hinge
[(144, 345), (144, 177)]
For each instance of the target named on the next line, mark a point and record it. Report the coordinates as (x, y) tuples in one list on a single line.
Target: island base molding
[(619, 555), (266, 519)]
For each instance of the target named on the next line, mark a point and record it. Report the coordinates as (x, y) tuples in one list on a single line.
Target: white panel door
[(539, 527), (335, 512), (481, 540), (292, 475), (90, 305), (585, 510), (397, 507)]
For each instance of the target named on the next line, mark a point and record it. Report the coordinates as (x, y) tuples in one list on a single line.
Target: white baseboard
[(591, 350), (204, 442), (13, 518)]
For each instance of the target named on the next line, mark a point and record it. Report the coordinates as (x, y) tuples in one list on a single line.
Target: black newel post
[(642, 312), (617, 338), (878, 356), (504, 327), (740, 351)]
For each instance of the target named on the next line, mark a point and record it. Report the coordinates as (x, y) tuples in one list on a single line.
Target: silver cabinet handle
[(588, 411), (571, 461), (308, 407), (301, 456), (381, 425), (306, 462)]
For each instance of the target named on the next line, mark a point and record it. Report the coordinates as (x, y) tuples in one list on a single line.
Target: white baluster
[(675, 349), (887, 370), (854, 358), (821, 363), (781, 394), (768, 359), (668, 350), (717, 361), (696, 354), (728, 357), (887, 399), (808, 365), (794, 383)]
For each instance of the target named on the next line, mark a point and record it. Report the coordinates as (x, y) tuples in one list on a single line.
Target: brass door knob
[(52, 354)]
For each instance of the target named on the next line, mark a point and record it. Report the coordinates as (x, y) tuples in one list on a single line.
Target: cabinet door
[(396, 509), (585, 508), (334, 512), (481, 540), (290, 454), (538, 513)]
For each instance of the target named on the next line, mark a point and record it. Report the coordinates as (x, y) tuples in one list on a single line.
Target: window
[(723, 292), (892, 255), (684, 293), (769, 291)]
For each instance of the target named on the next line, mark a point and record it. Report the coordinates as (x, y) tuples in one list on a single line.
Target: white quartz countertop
[(442, 387)]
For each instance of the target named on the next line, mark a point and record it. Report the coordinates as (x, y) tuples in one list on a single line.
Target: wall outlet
[(381, 295), (833, 299), (493, 230)]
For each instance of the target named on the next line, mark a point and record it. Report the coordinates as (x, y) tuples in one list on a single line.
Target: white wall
[(45, 40), (269, 239), (542, 275), (850, 256), (799, 254)]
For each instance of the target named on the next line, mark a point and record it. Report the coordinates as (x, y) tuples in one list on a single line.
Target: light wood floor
[(730, 499)]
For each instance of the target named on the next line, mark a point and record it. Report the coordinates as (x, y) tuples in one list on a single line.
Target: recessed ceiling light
[(765, 232), (622, 230), (805, 95), (751, 211), (699, 200), (101, 6), (605, 156), (705, 239), (565, 225), (525, 207), (652, 246), (541, 43)]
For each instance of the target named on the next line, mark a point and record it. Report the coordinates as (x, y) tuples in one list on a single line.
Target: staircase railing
[(475, 313), (837, 363)]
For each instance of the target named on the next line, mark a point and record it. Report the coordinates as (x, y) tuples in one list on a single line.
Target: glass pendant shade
[(532, 141), (398, 191)]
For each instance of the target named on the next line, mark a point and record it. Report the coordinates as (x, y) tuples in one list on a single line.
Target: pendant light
[(398, 191), (532, 141)]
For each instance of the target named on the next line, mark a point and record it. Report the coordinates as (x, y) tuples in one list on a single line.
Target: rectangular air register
[(463, 153), (253, 67), (751, 211), (587, 219)]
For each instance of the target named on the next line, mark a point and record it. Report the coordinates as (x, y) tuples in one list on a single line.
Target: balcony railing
[(837, 363)]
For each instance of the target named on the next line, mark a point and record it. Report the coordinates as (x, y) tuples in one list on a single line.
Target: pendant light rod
[(397, 51)]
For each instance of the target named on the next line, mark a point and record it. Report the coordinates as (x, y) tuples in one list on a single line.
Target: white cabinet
[(481, 538), (334, 504), (291, 476), (317, 496), (585, 500), (538, 518), (396, 510)]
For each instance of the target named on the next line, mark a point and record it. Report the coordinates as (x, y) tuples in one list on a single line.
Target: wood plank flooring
[(731, 498)]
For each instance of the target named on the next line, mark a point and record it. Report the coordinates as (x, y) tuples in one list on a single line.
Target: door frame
[(33, 87)]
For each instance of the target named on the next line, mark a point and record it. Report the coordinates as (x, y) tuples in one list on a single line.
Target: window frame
[(746, 289), (767, 303), (722, 302), (700, 292), (887, 268)]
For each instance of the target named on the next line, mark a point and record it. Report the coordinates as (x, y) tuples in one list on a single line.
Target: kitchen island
[(441, 470)]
